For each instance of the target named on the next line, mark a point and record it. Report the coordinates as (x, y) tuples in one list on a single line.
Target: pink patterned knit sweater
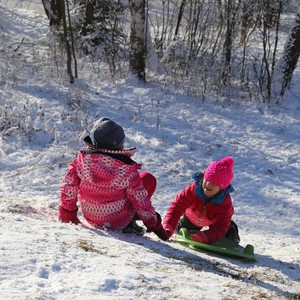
[(110, 192)]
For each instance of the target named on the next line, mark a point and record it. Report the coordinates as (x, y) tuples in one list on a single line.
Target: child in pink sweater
[(106, 182)]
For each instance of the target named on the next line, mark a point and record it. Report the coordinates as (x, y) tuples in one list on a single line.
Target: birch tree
[(137, 39), (290, 55)]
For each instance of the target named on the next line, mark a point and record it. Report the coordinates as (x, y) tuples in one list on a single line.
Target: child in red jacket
[(106, 182), (206, 203)]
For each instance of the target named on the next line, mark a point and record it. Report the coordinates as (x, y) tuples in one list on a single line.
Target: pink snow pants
[(149, 183)]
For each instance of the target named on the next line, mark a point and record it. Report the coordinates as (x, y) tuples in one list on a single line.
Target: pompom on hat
[(106, 134), (220, 172)]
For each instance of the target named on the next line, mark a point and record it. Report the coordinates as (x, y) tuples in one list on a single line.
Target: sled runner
[(223, 246)]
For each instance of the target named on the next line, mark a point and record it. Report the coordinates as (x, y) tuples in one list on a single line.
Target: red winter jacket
[(215, 213), (109, 190)]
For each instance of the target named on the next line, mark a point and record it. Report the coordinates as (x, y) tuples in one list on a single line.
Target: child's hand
[(66, 216), (159, 229), (162, 233)]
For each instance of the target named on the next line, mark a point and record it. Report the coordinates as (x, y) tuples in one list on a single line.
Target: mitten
[(162, 233), (67, 216), (159, 230), (199, 237)]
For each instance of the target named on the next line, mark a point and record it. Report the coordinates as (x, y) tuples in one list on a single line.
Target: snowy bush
[(19, 120)]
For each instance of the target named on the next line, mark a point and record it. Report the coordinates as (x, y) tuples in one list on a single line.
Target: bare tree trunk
[(53, 11), (290, 55), (89, 16), (137, 39), (180, 14), (229, 32), (230, 23), (66, 38)]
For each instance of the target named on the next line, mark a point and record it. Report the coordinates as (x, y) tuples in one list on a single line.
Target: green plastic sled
[(223, 246)]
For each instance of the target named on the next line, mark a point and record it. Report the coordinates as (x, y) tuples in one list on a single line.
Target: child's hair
[(220, 172)]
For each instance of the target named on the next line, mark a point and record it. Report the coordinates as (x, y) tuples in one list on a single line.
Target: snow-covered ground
[(41, 132)]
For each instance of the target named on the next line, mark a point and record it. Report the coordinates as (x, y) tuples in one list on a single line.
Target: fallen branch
[(20, 44)]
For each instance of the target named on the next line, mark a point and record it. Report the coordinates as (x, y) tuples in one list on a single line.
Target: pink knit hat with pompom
[(220, 172)]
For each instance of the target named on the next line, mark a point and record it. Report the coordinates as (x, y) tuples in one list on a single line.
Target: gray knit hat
[(107, 134)]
